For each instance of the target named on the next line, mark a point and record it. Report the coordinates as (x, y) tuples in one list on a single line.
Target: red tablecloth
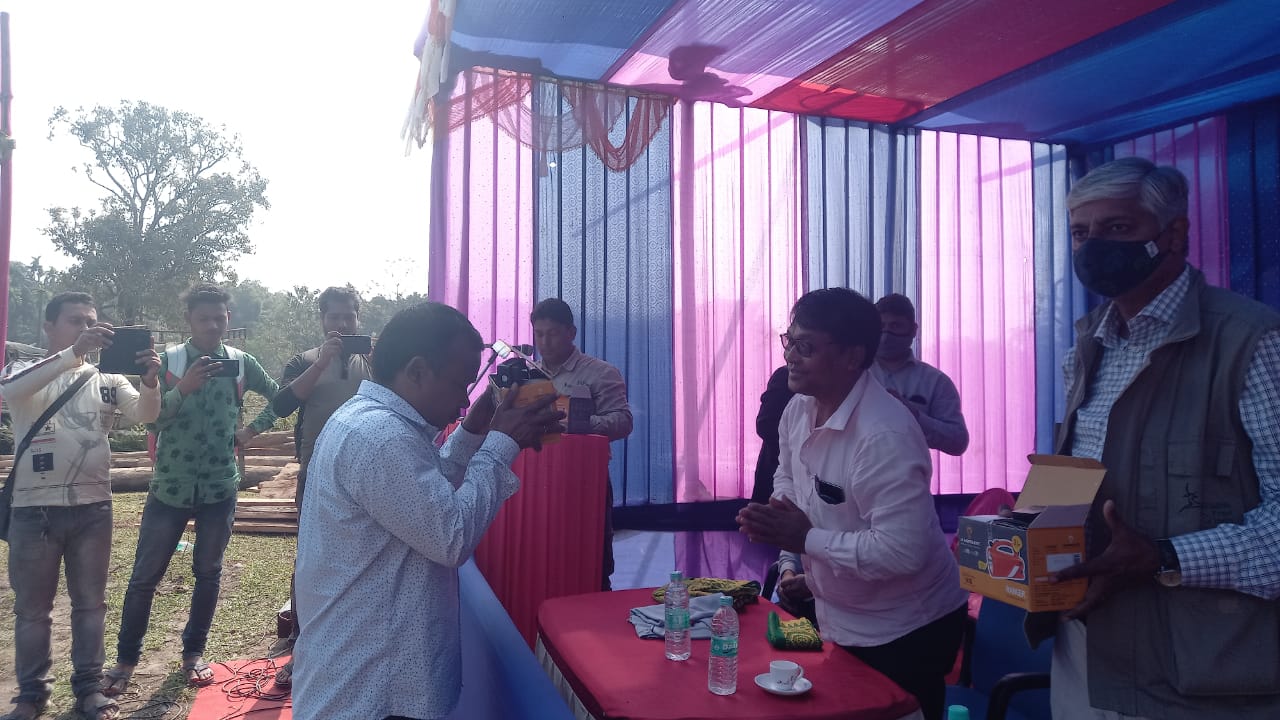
[(616, 675), (547, 540)]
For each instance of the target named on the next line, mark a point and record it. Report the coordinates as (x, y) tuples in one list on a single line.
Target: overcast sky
[(318, 92)]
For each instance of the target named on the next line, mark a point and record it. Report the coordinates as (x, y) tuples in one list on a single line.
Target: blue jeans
[(41, 540), (162, 527)]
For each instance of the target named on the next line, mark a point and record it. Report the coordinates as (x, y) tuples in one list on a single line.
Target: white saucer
[(802, 686)]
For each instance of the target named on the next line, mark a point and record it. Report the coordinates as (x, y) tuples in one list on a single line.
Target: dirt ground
[(255, 583)]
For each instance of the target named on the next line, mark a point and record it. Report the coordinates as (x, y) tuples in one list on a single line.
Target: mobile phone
[(224, 368), (357, 344), (122, 357)]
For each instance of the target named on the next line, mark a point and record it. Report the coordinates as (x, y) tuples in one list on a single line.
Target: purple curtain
[(737, 262), (977, 297), (1199, 150), (738, 268), (482, 244)]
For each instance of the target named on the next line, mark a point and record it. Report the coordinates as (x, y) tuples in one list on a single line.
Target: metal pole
[(6, 175)]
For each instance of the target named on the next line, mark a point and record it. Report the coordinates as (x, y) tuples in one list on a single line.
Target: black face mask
[(1114, 267)]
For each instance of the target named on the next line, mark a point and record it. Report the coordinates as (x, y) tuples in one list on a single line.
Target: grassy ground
[(255, 583)]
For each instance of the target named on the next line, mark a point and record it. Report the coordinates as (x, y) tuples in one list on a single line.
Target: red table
[(605, 672), (548, 539)]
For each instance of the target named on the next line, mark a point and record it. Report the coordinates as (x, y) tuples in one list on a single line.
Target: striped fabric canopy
[(1082, 72)]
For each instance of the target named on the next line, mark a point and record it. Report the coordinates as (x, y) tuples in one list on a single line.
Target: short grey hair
[(1159, 189)]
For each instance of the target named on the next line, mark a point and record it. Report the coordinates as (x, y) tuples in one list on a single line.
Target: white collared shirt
[(876, 561)]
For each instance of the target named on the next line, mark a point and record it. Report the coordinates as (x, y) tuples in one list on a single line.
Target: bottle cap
[(957, 712), (676, 576), (725, 600)]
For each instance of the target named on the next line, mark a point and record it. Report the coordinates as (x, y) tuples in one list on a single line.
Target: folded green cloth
[(743, 592), (793, 634)]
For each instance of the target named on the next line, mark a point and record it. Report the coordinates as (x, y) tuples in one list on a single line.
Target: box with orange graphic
[(1010, 558)]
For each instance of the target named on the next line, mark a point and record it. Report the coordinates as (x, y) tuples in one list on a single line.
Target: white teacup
[(784, 673)]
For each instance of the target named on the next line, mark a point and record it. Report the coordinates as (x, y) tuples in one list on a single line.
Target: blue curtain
[(1253, 175), (862, 207), (1060, 298), (604, 246)]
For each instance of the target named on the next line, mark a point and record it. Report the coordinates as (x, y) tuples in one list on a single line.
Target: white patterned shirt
[(388, 520), (1243, 557), (69, 460)]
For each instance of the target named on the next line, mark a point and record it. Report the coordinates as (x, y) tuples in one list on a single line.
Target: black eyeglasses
[(803, 348)]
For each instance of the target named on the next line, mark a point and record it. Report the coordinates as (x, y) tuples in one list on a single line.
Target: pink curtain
[(737, 271), (482, 250), (1199, 150), (977, 301)]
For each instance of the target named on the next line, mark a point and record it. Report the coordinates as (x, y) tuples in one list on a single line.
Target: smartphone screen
[(122, 357), (357, 344), (224, 368)]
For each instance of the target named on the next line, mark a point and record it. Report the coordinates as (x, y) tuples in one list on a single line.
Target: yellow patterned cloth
[(743, 592), (793, 634)]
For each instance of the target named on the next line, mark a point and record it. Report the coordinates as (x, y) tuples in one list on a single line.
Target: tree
[(31, 287), (286, 322), (178, 200)]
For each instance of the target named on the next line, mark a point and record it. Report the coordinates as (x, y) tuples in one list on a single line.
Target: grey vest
[(331, 391), (1179, 461)]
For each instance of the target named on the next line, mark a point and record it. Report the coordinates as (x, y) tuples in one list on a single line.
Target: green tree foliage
[(31, 286), (178, 199), (279, 324), (286, 323)]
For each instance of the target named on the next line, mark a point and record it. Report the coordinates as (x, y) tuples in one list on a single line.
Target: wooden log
[(273, 439), (261, 510), (274, 451), (130, 479), (265, 502), (256, 528), (139, 479), (276, 461), (131, 463)]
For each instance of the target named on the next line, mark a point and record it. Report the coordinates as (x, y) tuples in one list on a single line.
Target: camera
[(516, 371)]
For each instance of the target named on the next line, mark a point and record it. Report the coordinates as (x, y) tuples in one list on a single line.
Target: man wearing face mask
[(926, 391), (1174, 386)]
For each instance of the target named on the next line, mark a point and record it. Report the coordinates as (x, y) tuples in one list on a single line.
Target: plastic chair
[(1009, 680)]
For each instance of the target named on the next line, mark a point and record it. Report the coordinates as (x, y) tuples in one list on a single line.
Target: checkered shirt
[(1242, 557)]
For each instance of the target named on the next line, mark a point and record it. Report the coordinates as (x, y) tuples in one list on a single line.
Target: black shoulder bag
[(6, 493)]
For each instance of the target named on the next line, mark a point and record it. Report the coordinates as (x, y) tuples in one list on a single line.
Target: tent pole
[(6, 174)]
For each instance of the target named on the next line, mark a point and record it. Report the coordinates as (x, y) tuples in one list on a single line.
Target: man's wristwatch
[(1170, 572)]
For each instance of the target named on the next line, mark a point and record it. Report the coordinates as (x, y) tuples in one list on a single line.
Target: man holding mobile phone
[(317, 382), (196, 477), (63, 409)]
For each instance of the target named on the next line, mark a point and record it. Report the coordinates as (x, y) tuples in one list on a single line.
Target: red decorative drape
[(561, 115)]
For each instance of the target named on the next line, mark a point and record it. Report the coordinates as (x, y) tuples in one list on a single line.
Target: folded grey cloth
[(650, 621)]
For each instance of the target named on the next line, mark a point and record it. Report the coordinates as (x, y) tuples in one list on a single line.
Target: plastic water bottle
[(677, 618), (957, 712), (723, 671)]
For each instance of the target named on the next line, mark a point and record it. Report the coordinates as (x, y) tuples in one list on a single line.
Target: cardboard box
[(1010, 559)]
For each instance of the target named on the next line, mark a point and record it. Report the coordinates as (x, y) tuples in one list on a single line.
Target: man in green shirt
[(196, 478)]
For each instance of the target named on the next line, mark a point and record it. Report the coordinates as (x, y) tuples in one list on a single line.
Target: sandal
[(117, 681), (284, 676), (97, 706), (199, 674)]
